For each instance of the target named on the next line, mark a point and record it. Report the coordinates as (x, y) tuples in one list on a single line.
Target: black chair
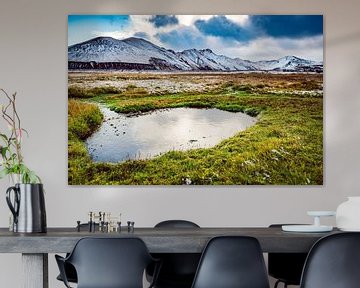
[(232, 262), (69, 269), (333, 262), (286, 267), (108, 263), (178, 269), (176, 224)]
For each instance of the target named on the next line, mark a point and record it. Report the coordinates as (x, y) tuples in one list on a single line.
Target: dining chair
[(232, 262), (108, 263), (178, 269), (70, 271), (286, 267), (333, 262)]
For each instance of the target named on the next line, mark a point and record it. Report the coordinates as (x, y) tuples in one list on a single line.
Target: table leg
[(35, 270)]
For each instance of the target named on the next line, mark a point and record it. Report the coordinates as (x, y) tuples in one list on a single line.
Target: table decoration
[(25, 197), (348, 214), (315, 227)]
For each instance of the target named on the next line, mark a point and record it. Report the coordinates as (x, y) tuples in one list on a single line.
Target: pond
[(122, 137)]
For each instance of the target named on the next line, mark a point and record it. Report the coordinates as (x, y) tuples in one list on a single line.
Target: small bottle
[(100, 221), (78, 225), (90, 223)]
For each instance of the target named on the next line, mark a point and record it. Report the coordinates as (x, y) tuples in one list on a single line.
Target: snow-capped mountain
[(285, 63), (139, 54), (206, 59), (130, 50)]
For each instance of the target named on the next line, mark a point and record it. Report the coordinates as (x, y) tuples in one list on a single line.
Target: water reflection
[(121, 137)]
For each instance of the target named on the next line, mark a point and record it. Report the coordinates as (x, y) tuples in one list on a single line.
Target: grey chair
[(108, 263), (178, 269), (333, 262), (232, 262), (286, 267)]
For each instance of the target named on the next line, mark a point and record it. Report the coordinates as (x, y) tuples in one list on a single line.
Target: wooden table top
[(158, 240)]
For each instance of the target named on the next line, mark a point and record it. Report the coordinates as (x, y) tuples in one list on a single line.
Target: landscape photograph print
[(195, 100)]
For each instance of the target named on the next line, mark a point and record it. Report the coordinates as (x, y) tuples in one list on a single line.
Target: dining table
[(35, 247)]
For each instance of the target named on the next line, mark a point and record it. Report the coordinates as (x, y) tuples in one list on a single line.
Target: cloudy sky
[(252, 37)]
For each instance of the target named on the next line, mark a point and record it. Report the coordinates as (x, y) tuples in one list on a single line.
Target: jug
[(28, 208)]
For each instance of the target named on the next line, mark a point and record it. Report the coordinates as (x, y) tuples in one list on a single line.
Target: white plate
[(321, 213), (306, 228)]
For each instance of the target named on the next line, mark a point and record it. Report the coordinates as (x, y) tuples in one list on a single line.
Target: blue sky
[(253, 37)]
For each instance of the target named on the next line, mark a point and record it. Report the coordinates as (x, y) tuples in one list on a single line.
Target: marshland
[(283, 146)]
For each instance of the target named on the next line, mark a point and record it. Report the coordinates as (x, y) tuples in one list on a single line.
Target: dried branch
[(12, 159)]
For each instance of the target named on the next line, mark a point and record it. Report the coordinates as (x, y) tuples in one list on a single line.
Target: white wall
[(33, 45)]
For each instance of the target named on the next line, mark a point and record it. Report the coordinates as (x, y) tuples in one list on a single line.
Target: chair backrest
[(176, 224), (333, 262), (232, 262), (110, 262), (177, 267)]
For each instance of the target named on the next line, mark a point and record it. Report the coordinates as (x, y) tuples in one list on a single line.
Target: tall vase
[(27, 204), (13, 179), (348, 214)]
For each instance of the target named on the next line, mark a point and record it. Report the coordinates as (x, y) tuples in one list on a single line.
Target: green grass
[(78, 92), (285, 147), (83, 119)]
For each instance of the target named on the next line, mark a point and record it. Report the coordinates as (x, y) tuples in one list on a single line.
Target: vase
[(13, 178), (348, 214), (27, 204)]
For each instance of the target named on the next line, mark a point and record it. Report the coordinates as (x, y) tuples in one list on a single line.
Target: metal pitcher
[(28, 208)]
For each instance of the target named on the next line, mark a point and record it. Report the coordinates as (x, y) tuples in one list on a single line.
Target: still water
[(122, 137)]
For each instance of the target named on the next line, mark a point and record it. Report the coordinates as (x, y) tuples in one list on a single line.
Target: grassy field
[(285, 147)]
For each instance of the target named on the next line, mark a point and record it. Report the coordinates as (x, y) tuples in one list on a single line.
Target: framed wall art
[(195, 100)]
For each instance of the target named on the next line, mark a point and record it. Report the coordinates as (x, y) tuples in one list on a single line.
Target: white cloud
[(239, 19), (138, 23), (270, 48), (189, 20), (265, 48), (141, 23)]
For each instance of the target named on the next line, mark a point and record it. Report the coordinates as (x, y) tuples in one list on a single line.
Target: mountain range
[(139, 54)]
